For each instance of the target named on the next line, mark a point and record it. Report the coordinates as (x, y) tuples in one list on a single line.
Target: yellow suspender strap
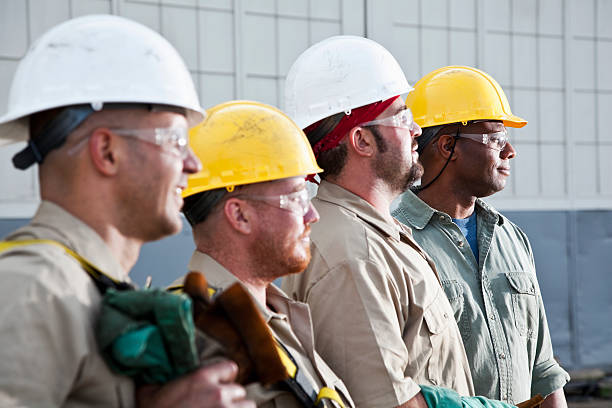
[(302, 382), (329, 394), (101, 280)]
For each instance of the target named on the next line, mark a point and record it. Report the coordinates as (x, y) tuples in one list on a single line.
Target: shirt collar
[(220, 278), (333, 193), (418, 213), (61, 226)]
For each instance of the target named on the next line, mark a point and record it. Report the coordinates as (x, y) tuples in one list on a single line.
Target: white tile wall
[(497, 15), (582, 13), (45, 14), (604, 11), (551, 123), (405, 11), (583, 72), (216, 41), (13, 28), (463, 48), (434, 13), (524, 61), (604, 69), (554, 170), (179, 26), (585, 174), (550, 17), (497, 61), (524, 13), (604, 113), (526, 168), (327, 9), (434, 45), (462, 14), (605, 170), (550, 62), (84, 7), (553, 59)]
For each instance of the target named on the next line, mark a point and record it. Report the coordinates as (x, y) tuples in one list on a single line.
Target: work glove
[(438, 397), (147, 334)]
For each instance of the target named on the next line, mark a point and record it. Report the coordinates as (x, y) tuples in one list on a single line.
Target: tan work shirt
[(48, 308), (290, 323), (381, 318)]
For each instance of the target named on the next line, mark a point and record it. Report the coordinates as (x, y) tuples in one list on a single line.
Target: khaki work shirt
[(381, 319), (291, 325), (48, 308), (497, 302)]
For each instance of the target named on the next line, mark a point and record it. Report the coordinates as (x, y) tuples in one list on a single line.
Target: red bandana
[(356, 117)]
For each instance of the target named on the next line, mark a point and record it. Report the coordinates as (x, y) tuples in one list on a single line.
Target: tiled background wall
[(552, 57)]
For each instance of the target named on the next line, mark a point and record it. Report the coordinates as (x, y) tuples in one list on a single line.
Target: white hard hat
[(95, 60), (339, 74)]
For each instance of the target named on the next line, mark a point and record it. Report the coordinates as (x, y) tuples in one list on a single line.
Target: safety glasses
[(403, 119), (297, 202), (170, 139), (496, 140)]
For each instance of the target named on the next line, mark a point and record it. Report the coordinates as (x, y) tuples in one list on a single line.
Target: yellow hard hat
[(459, 94), (243, 142)]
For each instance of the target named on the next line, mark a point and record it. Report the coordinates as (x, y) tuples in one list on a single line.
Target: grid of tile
[(235, 49), (550, 56)]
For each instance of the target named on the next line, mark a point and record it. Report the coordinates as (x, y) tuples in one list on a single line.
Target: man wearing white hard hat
[(381, 319), (105, 104)]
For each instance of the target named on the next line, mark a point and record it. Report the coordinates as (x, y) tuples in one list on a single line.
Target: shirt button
[(502, 356), (492, 317), (460, 244), (446, 315), (441, 217)]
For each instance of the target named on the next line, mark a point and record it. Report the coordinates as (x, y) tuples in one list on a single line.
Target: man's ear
[(104, 150), (445, 146), (239, 215), (361, 141)]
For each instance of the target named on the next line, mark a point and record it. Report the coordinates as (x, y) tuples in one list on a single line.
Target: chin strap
[(418, 189)]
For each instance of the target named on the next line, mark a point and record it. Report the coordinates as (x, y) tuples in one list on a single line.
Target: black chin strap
[(52, 136), (418, 189)]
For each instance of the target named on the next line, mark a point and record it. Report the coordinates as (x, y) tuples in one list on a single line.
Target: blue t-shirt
[(468, 229)]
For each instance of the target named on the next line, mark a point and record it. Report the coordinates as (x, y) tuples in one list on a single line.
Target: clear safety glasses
[(297, 202), (403, 119), (496, 140), (169, 139)]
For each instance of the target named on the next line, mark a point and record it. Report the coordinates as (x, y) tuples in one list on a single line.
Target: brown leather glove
[(234, 321)]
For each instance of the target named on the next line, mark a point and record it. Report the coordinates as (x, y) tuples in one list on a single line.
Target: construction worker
[(251, 217), (380, 316), (485, 262), (106, 104)]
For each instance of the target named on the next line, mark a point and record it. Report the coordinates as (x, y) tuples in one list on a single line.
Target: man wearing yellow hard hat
[(485, 262), (251, 217)]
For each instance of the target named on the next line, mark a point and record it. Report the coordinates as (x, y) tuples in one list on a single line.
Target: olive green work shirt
[(290, 324), (380, 316), (48, 308), (497, 303)]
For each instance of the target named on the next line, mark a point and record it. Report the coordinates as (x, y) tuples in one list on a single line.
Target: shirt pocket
[(454, 293), (524, 303), (437, 318)]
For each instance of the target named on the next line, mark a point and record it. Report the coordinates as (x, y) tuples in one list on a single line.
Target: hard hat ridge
[(339, 74), (97, 60)]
